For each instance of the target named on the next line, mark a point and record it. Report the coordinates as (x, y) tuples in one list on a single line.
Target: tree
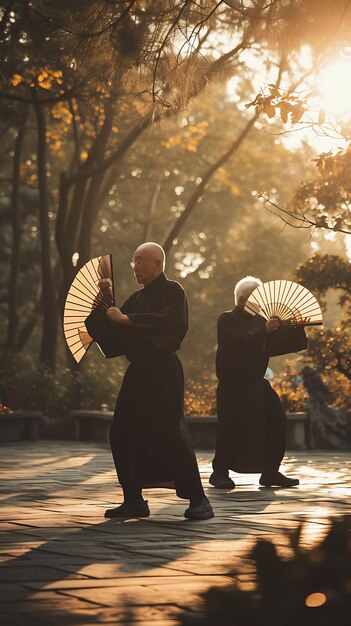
[(227, 236), (330, 348), (323, 201), (150, 61)]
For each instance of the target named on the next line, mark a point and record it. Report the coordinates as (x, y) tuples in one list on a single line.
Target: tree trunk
[(72, 214), (28, 325), (16, 236), (49, 304), (93, 198), (26, 330), (90, 212)]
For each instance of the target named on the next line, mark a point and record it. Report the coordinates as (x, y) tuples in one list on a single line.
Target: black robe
[(251, 428), (149, 438)]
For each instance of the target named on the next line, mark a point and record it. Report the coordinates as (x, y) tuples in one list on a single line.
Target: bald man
[(149, 439)]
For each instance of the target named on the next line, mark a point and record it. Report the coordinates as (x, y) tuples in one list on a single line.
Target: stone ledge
[(20, 425), (94, 426)]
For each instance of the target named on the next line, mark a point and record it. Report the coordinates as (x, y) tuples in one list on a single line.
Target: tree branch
[(301, 220), (200, 190)]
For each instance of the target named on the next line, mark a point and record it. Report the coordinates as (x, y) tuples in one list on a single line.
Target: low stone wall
[(20, 425), (94, 425), (88, 425)]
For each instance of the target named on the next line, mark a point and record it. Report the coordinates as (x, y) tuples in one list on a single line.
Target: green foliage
[(325, 199), (29, 385), (120, 60), (98, 383), (330, 354), (311, 588), (327, 271), (330, 348)]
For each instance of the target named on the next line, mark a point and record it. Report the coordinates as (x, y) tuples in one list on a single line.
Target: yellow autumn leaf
[(45, 84), (284, 110), (16, 79), (269, 110), (297, 114)]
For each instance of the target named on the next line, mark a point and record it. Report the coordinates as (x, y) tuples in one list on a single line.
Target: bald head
[(148, 262), (151, 249)]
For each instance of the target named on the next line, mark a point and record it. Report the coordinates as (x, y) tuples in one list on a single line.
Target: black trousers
[(251, 428), (149, 439)]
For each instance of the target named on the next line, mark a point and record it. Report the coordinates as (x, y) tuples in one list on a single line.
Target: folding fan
[(83, 296), (290, 302)]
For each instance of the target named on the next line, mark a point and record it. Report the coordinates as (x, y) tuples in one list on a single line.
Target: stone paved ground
[(63, 563)]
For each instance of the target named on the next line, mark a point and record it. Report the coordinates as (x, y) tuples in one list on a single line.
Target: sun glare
[(334, 86)]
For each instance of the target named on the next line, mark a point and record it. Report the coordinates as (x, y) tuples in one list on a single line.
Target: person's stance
[(251, 428), (149, 439)]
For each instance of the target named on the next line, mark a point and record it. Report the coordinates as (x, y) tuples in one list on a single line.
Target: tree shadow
[(44, 581)]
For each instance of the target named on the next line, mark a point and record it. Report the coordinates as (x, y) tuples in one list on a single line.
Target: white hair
[(245, 286)]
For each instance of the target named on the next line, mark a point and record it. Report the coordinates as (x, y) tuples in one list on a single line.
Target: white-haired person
[(251, 427)]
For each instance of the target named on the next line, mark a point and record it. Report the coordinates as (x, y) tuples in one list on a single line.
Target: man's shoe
[(129, 510), (200, 510), (278, 480), (221, 482)]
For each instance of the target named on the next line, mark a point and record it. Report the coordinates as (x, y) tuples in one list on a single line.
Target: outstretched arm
[(286, 339), (252, 340)]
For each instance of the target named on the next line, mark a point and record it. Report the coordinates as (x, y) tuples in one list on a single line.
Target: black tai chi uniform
[(149, 439), (251, 427)]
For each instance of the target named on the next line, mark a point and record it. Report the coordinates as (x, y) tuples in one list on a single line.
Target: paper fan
[(290, 302), (83, 296)]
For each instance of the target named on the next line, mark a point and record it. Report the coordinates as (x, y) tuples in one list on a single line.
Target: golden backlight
[(334, 86)]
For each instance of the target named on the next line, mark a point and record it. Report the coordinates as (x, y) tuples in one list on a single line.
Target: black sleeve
[(105, 333), (286, 339), (253, 340), (168, 323)]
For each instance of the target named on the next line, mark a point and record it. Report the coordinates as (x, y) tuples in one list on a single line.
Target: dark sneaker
[(221, 482), (138, 508), (278, 480), (200, 510)]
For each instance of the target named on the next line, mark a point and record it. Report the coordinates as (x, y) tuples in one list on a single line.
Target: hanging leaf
[(338, 224), (322, 221), (321, 116), (330, 166), (284, 110), (269, 109), (297, 113), (273, 90)]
